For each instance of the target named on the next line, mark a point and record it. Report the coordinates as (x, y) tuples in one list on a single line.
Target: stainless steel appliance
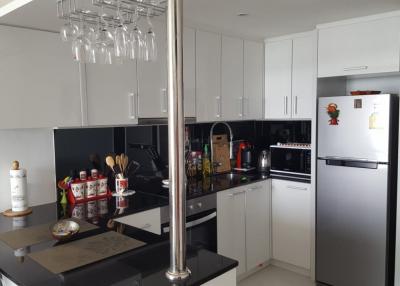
[(356, 190), (264, 162), (201, 222), (291, 161)]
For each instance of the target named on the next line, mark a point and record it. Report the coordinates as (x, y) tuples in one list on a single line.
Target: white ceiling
[(266, 17)]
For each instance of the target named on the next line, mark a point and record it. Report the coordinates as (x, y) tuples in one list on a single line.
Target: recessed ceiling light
[(7, 6), (243, 14)]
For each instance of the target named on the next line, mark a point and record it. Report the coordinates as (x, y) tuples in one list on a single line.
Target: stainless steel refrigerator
[(356, 190)]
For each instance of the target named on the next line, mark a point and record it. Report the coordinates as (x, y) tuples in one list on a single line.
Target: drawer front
[(148, 220)]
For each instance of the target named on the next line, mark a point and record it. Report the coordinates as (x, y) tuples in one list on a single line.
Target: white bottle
[(19, 192)]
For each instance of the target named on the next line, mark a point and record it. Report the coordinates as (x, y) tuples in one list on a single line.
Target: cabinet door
[(189, 71), (304, 77), (291, 223), (232, 78), (258, 209), (253, 80), (111, 94), (40, 83), (231, 227), (278, 79), (208, 76), (152, 78), (359, 48)]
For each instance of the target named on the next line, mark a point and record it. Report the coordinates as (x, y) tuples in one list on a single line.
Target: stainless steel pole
[(176, 127)]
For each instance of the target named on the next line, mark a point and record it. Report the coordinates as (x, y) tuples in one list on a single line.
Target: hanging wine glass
[(136, 39), (80, 44), (91, 48), (121, 36), (104, 42), (68, 31), (150, 41)]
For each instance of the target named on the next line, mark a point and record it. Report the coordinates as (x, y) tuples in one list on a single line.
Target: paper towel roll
[(19, 192)]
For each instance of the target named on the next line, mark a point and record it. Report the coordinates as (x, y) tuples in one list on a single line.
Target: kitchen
[(263, 140)]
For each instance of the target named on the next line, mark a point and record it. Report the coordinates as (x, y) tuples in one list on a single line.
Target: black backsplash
[(76, 148)]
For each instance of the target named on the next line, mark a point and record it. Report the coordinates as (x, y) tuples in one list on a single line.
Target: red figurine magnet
[(333, 112)]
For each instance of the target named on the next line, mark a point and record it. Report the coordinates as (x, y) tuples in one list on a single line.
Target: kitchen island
[(142, 266)]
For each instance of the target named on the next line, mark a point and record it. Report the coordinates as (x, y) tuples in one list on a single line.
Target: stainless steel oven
[(291, 160), (201, 222)]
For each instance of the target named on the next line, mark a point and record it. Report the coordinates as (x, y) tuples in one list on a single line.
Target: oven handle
[(195, 222)]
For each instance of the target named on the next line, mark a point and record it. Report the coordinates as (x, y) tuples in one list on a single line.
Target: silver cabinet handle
[(297, 188), (356, 68), (295, 105), (218, 99), (164, 107), (284, 105), (241, 111), (133, 105), (236, 194)]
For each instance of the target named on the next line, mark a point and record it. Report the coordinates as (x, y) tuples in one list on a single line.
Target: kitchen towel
[(82, 252), (29, 236)]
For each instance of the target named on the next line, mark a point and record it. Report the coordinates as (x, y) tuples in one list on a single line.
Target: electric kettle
[(264, 162)]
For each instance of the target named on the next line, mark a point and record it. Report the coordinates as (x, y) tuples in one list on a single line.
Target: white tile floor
[(275, 276)]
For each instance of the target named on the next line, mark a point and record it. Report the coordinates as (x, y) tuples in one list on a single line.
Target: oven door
[(201, 230), (290, 160)]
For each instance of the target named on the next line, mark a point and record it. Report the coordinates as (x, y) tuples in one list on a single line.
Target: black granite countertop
[(143, 266)]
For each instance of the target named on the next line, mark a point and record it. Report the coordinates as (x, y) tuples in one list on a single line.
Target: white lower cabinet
[(243, 225), (291, 223)]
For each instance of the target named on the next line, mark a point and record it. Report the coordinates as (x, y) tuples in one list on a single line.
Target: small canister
[(78, 189), (19, 192), (121, 185), (102, 186), (91, 188)]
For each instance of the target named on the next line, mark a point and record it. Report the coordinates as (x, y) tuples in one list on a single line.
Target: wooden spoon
[(110, 162), (125, 163), (118, 162)]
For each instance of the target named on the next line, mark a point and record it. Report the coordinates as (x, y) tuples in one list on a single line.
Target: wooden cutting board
[(221, 153)]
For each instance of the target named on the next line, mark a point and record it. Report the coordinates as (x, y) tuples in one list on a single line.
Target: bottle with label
[(206, 162)]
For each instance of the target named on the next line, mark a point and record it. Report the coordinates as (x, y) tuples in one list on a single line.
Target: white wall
[(34, 149)]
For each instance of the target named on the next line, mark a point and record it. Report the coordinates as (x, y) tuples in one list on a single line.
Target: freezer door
[(361, 129), (351, 225)]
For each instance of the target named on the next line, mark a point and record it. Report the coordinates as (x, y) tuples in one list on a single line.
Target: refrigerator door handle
[(350, 162)]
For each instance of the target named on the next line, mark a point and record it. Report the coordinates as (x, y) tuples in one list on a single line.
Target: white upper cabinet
[(111, 94), (304, 76), (189, 71), (208, 76), (152, 78), (290, 77), (40, 83), (253, 80), (278, 79), (360, 46), (232, 78)]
